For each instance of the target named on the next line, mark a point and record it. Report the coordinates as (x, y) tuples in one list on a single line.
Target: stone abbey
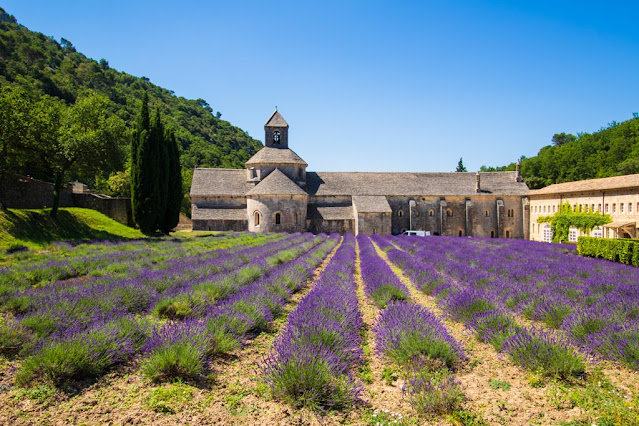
[(277, 193)]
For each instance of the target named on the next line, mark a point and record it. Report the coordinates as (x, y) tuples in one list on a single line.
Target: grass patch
[(169, 398), (34, 229)]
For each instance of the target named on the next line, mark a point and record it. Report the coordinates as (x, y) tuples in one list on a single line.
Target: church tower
[(276, 131)]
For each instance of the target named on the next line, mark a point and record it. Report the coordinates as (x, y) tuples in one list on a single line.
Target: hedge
[(623, 251)]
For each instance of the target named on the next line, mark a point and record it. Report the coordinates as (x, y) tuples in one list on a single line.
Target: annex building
[(276, 193), (617, 196)]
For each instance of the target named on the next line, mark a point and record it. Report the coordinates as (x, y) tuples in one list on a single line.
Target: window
[(449, 212), (574, 208), (580, 207), (599, 207), (253, 174), (572, 234), (592, 208), (298, 217), (621, 208), (256, 218), (276, 137), (511, 213), (629, 207), (487, 213), (553, 209), (374, 230), (597, 232), (461, 233), (507, 234), (606, 207), (614, 207), (431, 213), (544, 209), (400, 213), (492, 234), (547, 234), (278, 219)]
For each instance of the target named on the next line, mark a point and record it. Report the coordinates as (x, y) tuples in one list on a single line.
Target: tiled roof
[(603, 184), (371, 204), (270, 155), (212, 182), (330, 212), (412, 184), (276, 120), (276, 183), (206, 213)]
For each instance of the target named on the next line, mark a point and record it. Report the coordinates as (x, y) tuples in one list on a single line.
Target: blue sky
[(375, 85)]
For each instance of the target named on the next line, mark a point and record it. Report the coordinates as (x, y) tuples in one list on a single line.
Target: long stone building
[(276, 193), (617, 196)]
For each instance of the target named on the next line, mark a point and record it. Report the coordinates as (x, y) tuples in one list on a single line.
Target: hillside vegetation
[(36, 228), (42, 66), (612, 151)]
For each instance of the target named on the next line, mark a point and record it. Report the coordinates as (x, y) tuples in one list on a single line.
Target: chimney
[(477, 186), (518, 172)]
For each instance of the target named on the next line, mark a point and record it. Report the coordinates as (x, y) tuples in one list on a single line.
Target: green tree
[(15, 115), (559, 139), (174, 194), (140, 136), (79, 139), (460, 166), (561, 221)]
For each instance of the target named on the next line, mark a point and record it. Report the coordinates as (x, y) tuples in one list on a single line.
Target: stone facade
[(617, 196), (276, 193)]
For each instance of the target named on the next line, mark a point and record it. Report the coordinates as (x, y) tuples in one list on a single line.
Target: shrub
[(543, 352), (13, 337), (434, 393), (494, 327)]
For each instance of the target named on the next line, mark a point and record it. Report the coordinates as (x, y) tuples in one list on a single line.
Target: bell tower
[(276, 131)]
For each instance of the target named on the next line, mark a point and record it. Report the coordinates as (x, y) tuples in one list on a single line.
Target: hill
[(36, 228), (43, 66), (612, 151)]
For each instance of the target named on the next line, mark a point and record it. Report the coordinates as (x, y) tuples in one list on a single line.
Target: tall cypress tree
[(174, 186), (148, 177), (140, 136), (158, 135)]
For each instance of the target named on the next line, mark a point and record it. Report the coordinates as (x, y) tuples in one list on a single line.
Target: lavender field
[(318, 329)]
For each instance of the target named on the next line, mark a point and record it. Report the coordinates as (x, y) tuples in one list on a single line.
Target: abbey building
[(276, 193)]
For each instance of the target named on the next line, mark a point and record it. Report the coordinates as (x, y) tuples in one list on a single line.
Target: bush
[(434, 393), (623, 251)]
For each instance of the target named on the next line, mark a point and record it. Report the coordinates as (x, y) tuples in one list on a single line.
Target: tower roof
[(271, 155), (276, 120), (276, 183)]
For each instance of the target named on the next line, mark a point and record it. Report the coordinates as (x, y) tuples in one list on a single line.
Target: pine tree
[(174, 188), (460, 166)]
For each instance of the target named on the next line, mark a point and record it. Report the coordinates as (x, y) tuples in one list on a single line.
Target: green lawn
[(35, 228)]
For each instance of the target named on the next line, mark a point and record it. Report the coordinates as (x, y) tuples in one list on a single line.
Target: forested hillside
[(612, 151), (42, 66)]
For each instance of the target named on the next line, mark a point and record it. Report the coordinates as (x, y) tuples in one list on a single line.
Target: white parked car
[(417, 233)]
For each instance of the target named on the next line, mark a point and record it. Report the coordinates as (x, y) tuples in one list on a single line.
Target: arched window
[(374, 230), (278, 218), (449, 212), (256, 219), (461, 233), (487, 213), (547, 233), (400, 213), (492, 234), (298, 217), (572, 234), (507, 234), (276, 137), (431, 212)]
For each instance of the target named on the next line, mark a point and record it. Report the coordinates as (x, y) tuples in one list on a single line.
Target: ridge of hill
[(611, 151), (43, 66)]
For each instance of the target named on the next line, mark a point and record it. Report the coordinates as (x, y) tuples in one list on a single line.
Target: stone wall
[(118, 209), (373, 223), (220, 225), (331, 226), (22, 192), (291, 208)]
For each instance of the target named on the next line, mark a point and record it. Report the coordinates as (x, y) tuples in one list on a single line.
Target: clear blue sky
[(376, 85)]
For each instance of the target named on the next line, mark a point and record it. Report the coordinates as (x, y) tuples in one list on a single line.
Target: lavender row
[(380, 283), (72, 309), (531, 348), (412, 337), (593, 301), (311, 362), (174, 349)]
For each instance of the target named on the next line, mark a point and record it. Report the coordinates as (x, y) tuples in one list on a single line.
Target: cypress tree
[(174, 186), (140, 135), (158, 135), (148, 178)]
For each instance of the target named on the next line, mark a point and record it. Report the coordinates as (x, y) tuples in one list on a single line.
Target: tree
[(140, 135), (559, 139), (15, 112), (82, 138), (565, 218), (174, 187), (460, 166)]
